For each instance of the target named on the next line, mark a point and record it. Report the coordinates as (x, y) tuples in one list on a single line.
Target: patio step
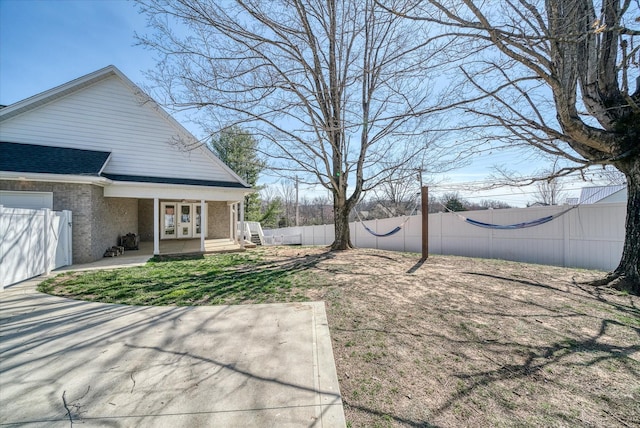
[(255, 238)]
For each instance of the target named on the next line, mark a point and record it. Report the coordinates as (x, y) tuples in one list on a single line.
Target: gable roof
[(201, 164), (51, 160), (33, 158)]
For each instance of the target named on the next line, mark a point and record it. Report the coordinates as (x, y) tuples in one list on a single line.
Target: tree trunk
[(627, 275), (341, 211)]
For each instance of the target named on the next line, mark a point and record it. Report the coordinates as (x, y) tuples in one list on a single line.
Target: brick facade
[(97, 221), (145, 219), (218, 220), (111, 218)]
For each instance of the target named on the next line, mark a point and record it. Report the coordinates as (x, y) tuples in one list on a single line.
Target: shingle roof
[(35, 158), (171, 180), (17, 157)]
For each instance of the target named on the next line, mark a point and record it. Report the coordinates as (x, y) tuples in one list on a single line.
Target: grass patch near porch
[(451, 342), (191, 280)]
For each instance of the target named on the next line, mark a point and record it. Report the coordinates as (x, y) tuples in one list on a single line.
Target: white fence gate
[(589, 236), (32, 242)]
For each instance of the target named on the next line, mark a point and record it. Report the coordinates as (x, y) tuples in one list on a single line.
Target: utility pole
[(297, 204)]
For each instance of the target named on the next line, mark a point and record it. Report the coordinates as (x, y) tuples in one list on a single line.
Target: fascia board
[(55, 178)]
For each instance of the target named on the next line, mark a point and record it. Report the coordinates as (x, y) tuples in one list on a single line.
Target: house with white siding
[(103, 149), (603, 194)]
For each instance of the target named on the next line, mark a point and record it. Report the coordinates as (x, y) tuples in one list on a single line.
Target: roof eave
[(55, 178)]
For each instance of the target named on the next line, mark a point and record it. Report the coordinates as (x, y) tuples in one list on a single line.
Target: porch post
[(202, 229), (156, 226), (242, 223), (231, 234), (235, 222)]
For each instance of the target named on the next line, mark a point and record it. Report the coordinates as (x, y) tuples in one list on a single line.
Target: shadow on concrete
[(71, 361)]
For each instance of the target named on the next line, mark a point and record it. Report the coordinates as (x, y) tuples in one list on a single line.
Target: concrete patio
[(66, 362)]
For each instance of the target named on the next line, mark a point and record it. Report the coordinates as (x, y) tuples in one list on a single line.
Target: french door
[(180, 220)]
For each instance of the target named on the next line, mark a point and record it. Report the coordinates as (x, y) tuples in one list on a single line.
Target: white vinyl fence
[(589, 236), (32, 242)]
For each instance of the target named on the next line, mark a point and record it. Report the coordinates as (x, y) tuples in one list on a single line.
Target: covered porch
[(185, 218)]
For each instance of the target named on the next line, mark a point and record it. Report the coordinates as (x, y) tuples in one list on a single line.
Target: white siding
[(108, 116), (27, 200), (619, 196)]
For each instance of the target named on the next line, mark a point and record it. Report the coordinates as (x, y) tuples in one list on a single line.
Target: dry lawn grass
[(453, 342), (470, 342)]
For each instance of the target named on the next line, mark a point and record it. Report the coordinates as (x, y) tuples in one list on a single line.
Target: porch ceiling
[(174, 191)]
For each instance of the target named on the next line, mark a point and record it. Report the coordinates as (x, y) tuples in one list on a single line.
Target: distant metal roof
[(34, 158), (591, 195), (176, 180)]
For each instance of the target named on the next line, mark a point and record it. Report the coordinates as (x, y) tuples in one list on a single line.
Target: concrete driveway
[(66, 362)]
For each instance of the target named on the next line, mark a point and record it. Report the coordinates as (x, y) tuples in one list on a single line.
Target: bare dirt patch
[(472, 342)]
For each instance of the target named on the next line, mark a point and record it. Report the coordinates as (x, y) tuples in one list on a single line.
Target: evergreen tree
[(238, 149)]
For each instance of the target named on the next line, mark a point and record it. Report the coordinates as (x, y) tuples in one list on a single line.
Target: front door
[(168, 220), (185, 220), (181, 220)]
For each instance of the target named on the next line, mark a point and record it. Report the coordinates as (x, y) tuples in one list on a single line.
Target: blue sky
[(45, 43)]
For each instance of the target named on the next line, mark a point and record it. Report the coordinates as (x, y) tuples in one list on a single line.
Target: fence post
[(404, 236), (2, 244), (490, 233), (46, 226), (441, 221), (566, 237), (69, 238)]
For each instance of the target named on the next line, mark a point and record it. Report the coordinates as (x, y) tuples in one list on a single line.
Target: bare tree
[(398, 192), (328, 86), (287, 193), (549, 192), (610, 176), (557, 76), (315, 211)]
